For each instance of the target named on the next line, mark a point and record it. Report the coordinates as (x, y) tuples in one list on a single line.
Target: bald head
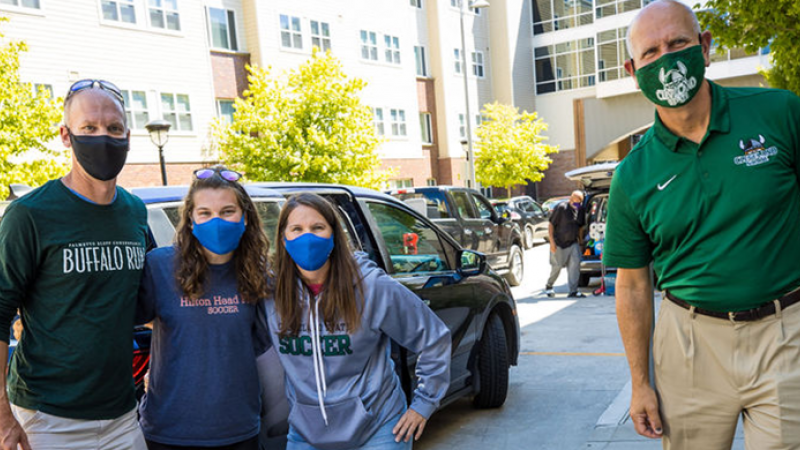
[(656, 16), (576, 196)]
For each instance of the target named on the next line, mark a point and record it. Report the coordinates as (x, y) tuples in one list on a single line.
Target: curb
[(617, 412)]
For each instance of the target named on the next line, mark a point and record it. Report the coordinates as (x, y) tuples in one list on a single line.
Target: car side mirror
[(471, 263)]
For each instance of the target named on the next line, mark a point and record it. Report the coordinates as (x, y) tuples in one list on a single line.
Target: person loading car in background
[(566, 222)]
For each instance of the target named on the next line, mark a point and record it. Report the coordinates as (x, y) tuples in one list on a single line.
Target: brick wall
[(416, 169), (554, 182), (452, 171), (141, 175), (230, 75)]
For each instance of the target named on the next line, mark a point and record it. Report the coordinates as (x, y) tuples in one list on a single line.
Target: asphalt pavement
[(571, 388)]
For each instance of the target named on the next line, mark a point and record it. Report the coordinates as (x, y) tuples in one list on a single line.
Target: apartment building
[(184, 61), (581, 89)]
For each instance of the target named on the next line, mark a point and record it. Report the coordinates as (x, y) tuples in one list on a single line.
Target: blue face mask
[(309, 251), (218, 235), (576, 205)]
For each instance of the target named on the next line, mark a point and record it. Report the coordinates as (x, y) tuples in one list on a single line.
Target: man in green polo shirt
[(71, 257), (710, 195)]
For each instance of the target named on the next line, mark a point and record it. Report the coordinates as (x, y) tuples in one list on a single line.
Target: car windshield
[(431, 204)]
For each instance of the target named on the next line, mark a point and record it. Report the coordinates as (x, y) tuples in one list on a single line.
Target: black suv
[(472, 221), (474, 302), (529, 215), (596, 182)]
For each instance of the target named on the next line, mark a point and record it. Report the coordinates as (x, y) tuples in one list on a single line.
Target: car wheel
[(492, 365), (528, 236), (516, 266), (583, 280)]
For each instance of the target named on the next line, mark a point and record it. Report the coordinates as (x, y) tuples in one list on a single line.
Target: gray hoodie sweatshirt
[(344, 388)]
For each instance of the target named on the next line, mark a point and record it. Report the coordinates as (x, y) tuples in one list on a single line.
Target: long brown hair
[(342, 292), (250, 258)]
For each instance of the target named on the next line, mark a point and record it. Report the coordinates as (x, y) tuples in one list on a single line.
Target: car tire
[(492, 365), (516, 266), (529, 233), (583, 280)]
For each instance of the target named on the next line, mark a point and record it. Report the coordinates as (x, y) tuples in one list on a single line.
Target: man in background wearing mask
[(565, 226), (710, 196), (71, 256)]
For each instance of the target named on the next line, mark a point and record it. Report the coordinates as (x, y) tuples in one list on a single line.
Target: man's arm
[(550, 230), (11, 433), (634, 316)]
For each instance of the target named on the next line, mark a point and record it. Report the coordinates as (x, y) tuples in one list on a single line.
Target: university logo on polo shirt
[(755, 152)]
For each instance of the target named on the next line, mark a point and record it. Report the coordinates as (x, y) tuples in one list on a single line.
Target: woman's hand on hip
[(410, 424)]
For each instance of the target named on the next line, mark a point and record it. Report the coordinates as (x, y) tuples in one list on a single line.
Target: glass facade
[(564, 66), (553, 15)]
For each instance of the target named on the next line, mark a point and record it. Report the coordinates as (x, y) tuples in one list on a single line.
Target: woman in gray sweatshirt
[(332, 321)]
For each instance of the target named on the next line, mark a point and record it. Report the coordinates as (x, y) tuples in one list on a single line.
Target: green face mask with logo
[(673, 79)]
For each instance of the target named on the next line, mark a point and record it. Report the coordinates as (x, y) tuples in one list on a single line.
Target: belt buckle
[(732, 316)]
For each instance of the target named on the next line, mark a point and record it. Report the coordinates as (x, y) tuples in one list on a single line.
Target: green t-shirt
[(73, 269), (720, 220)]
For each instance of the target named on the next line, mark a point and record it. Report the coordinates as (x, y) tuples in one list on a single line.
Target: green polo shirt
[(719, 219)]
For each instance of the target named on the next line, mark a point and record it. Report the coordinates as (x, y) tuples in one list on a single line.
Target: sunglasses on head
[(98, 84), (229, 175)]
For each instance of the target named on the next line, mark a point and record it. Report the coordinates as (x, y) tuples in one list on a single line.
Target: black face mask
[(102, 156)]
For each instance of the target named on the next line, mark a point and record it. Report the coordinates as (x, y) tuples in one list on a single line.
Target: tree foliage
[(27, 123), (510, 149), (754, 24), (307, 124)]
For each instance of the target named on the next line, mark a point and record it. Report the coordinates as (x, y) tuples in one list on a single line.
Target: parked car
[(550, 204), (474, 302), (472, 221), (529, 215), (596, 181)]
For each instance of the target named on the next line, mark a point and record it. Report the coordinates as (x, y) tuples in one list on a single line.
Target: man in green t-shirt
[(71, 257), (710, 196)]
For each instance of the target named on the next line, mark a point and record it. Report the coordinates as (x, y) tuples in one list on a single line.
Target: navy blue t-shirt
[(203, 388)]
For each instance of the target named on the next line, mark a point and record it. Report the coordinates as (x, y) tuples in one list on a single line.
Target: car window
[(527, 207), (413, 246), (483, 208), (435, 204), (462, 203), (537, 210)]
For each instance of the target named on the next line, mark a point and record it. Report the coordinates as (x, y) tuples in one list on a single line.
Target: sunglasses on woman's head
[(229, 175), (99, 84)]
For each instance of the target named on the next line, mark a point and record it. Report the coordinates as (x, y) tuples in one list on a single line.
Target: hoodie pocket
[(347, 421)]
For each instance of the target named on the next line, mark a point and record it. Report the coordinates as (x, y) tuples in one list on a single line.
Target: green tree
[(308, 124), (27, 123), (510, 148), (754, 24)]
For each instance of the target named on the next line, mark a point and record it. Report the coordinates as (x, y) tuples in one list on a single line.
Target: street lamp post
[(474, 4), (159, 134)]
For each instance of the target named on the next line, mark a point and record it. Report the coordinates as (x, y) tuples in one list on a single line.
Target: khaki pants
[(710, 371), (48, 432)]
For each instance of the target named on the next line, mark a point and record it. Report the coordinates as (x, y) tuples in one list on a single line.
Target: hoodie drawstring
[(319, 365)]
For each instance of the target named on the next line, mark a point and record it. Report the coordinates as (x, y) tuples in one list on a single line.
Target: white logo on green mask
[(676, 86)]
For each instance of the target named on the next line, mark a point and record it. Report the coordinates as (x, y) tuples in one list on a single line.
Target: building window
[(457, 57), (419, 55), (606, 8), (33, 4), (416, 3), (136, 110), (455, 3), (369, 45), (118, 11), (222, 27), (320, 35), (462, 127), (430, 182), (164, 14), (225, 111), (552, 15), (291, 34), (398, 117), (564, 66), (401, 184), (426, 128), (717, 55), (377, 114), (176, 110), (391, 49), (477, 64), (612, 54)]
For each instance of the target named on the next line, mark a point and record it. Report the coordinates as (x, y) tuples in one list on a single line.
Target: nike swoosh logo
[(661, 187)]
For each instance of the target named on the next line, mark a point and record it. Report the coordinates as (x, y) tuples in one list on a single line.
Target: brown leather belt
[(765, 310)]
